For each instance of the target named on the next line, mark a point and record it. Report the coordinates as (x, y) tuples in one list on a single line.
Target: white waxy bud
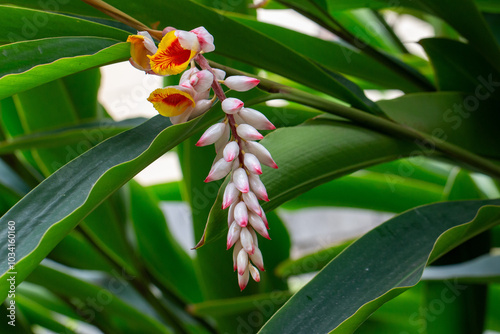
[(232, 105), (219, 74), (248, 132), (254, 236), (240, 180), (233, 234), (230, 195), (186, 76), (205, 39), (236, 164), (264, 218), (212, 134), (259, 226), (261, 153), (219, 170), (241, 214), (255, 273), (242, 262), (236, 250), (252, 163), (257, 259), (222, 142), (230, 215), (243, 279), (188, 40), (231, 151), (258, 187), (202, 81), (256, 119), (241, 83), (247, 241), (201, 107), (252, 202)]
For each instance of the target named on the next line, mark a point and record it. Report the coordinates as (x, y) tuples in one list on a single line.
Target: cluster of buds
[(238, 154)]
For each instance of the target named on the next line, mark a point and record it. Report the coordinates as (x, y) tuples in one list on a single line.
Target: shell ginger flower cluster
[(238, 154)]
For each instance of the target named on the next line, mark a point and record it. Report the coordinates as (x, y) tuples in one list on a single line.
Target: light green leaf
[(381, 265), (32, 63)]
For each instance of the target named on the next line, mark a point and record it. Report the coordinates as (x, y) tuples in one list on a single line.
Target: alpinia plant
[(84, 242)]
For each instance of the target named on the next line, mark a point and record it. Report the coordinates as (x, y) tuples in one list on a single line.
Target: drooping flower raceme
[(238, 154)]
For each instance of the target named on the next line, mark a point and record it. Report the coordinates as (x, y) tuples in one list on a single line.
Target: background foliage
[(93, 250)]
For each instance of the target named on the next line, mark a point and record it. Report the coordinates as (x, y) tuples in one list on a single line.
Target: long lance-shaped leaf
[(44, 216), (381, 265), (32, 63), (93, 133)]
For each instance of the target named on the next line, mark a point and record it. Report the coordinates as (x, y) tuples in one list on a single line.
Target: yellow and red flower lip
[(141, 46), (172, 101), (175, 51)]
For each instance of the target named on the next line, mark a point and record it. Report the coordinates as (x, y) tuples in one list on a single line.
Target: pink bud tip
[(274, 165), (265, 197)]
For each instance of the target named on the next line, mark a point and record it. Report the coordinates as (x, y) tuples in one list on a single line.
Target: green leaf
[(311, 262), (119, 317), (266, 302), (380, 192), (381, 265), (454, 117), (482, 270), (459, 67), (58, 204), (32, 63), (20, 24), (86, 134), (159, 250), (323, 150), (334, 56)]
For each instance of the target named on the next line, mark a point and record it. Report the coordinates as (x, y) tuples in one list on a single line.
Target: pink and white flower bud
[(255, 273), (236, 164), (243, 279), (259, 226), (257, 259), (231, 151), (252, 202), (233, 234), (232, 105), (205, 39), (219, 74), (264, 218), (167, 30), (212, 134), (236, 250), (261, 153), (188, 40), (230, 215), (256, 119), (219, 170), (231, 194), (252, 163), (242, 262), (221, 143), (202, 81), (254, 236), (248, 132), (241, 214), (241, 83), (186, 75), (258, 187), (240, 180), (247, 241), (200, 108)]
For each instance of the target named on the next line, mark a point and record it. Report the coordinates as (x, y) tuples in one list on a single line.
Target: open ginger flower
[(141, 46)]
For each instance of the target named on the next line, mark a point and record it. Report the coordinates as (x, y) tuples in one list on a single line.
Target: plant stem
[(376, 123)]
